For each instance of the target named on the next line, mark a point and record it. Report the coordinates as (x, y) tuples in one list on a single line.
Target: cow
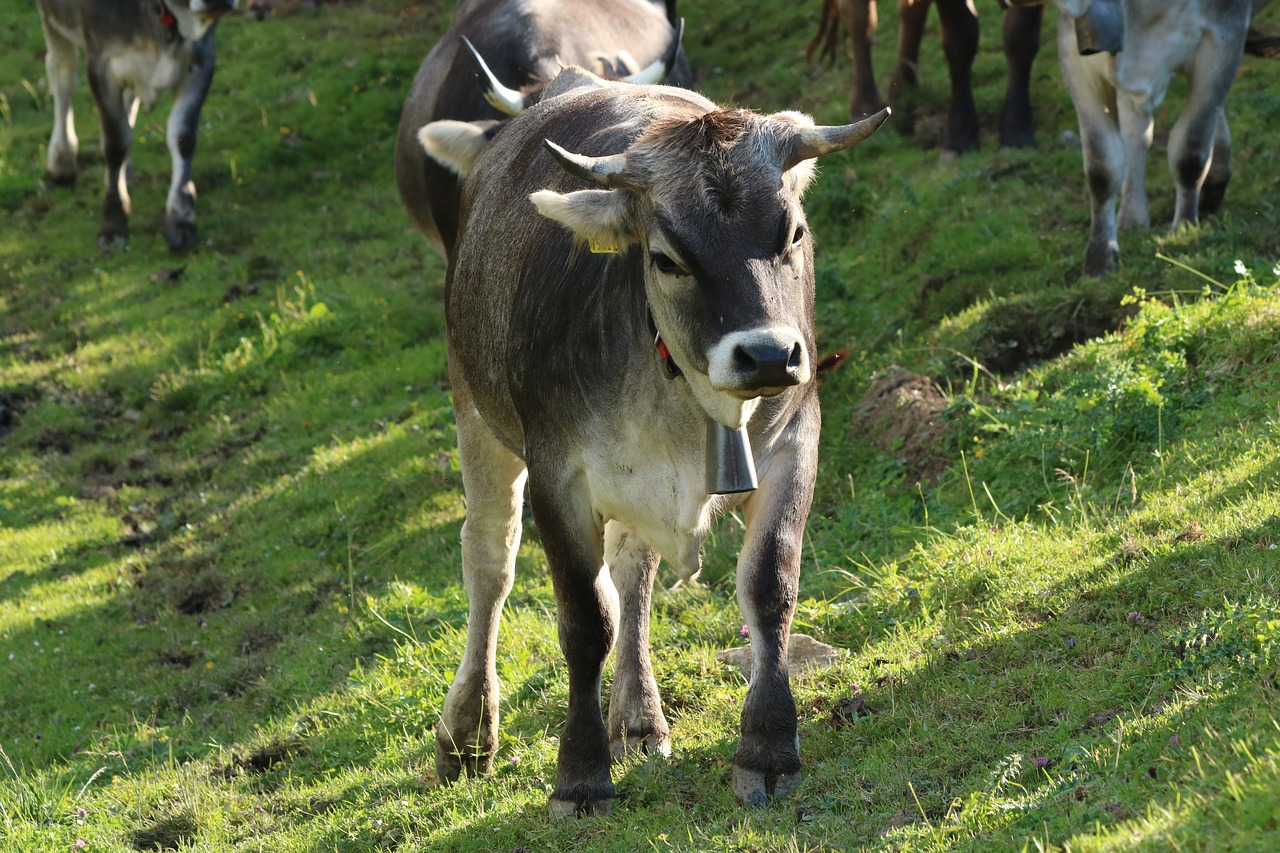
[(1117, 94), (959, 20), (524, 42), (134, 50), (628, 384)]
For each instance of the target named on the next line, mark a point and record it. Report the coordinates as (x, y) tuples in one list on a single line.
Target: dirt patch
[(1019, 332), (902, 415)]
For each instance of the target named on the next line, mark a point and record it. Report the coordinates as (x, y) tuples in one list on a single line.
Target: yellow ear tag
[(601, 248)]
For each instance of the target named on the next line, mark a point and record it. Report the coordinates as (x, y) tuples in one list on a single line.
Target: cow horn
[(504, 100), (659, 70), (810, 142), (606, 171)]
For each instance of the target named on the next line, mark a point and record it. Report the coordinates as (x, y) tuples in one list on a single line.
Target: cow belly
[(146, 72)]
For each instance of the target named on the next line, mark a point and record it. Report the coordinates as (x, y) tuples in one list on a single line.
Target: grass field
[(230, 599)]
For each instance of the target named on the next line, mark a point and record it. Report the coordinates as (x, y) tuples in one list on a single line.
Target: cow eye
[(798, 236), (664, 264)]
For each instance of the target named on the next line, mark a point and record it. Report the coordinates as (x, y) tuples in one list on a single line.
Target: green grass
[(230, 602)]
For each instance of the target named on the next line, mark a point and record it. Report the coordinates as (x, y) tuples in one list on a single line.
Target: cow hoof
[(181, 236), (110, 240), (654, 743), (755, 787), (61, 179), (451, 762), (1099, 261), (592, 807)]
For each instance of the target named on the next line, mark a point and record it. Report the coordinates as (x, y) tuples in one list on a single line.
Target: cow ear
[(600, 217), (802, 173), (456, 144)]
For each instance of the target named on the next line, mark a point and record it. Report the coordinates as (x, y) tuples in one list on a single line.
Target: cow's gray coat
[(556, 377), (524, 42), (133, 52)]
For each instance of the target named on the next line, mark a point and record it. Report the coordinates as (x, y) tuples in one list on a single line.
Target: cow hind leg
[(115, 115), (859, 17), (1214, 189), (60, 62), (493, 479), (912, 17), (960, 44), (636, 721)]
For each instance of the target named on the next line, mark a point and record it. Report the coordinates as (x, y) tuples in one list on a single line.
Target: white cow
[(1117, 94)]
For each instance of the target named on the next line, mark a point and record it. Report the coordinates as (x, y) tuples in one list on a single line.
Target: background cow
[(959, 20), (699, 239), (135, 49), (525, 43), (1116, 96)]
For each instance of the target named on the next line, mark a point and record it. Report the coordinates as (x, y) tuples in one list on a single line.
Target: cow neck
[(669, 364), (167, 19)]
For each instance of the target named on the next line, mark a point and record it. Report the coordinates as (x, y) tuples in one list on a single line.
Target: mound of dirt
[(901, 415)]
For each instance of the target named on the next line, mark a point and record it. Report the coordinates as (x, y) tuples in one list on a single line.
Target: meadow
[(230, 592)]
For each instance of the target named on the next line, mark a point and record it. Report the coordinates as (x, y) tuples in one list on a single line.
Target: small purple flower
[(1041, 761), (515, 761), (744, 631), (80, 844), (1070, 642), (1134, 616), (1174, 740), (80, 811)]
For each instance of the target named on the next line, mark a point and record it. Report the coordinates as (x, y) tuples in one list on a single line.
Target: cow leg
[(493, 479), (960, 44), (115, 114), (860, 21), (912, 16), (183, 124), (586, 616), (1094, 98), (636, 721), (767, 761), (1021, 44), (1200, 143), (1137, 129), (60, 62)]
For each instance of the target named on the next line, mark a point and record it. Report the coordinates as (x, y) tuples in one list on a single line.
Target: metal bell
[(1100, 28), (730, 467)]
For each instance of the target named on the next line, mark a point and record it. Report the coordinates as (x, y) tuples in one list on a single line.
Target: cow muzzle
[(759, 362)]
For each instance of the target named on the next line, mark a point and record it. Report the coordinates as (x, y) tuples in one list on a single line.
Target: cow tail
[(828, 37)]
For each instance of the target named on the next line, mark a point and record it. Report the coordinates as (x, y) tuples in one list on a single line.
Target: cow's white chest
[(148, 70), (653, 480)]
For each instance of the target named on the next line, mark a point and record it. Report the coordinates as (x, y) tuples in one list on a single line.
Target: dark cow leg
[(767, 762), (912, 16), (1200, 143), (181, 131), (60, 63), (115, 111), (960, 44), (1215, 183), (636, 721), (493, 479), (1021, 44), (587, 613), (860, 20)]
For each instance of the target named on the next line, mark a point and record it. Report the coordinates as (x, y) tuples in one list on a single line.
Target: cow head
[(712, 203)]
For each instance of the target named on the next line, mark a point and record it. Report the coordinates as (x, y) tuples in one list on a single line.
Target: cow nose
[(768, 364)]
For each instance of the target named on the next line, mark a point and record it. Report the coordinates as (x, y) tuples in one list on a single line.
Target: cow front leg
[(767, 762), (114, 112), (60, 63), (636, 721), (493, 479), (859, 17), (1094, 98), (181, 132), (1021, 44), (1199, 142), (903, 85), (586, 613), (960, 44)]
